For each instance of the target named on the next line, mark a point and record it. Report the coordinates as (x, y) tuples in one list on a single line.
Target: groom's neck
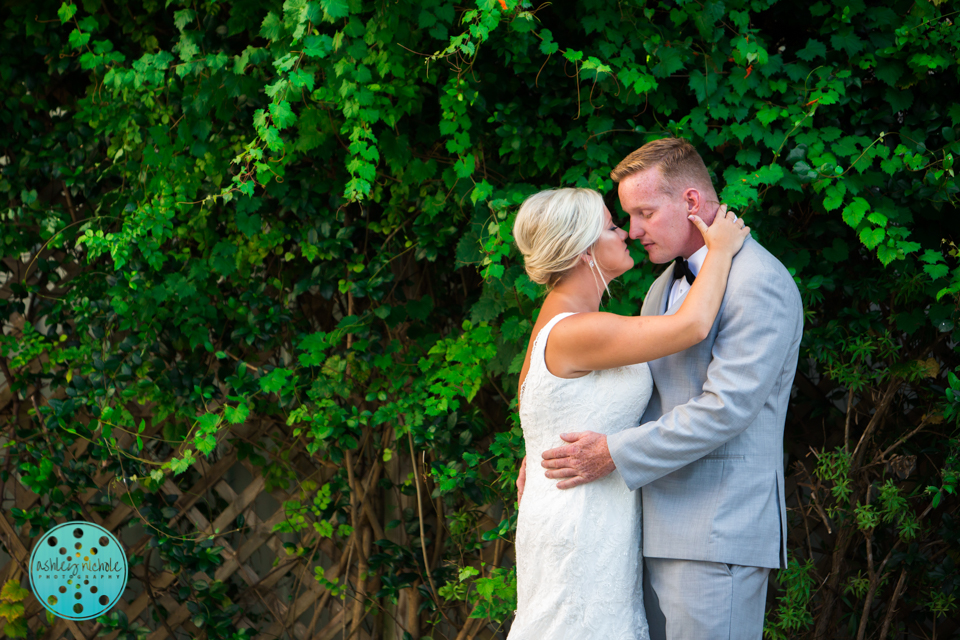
[(692, 247)]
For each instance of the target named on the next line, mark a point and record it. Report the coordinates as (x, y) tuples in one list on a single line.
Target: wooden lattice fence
[(256, 555), (156, 584)]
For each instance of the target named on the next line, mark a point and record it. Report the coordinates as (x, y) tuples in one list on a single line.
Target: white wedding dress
[(579, 562)]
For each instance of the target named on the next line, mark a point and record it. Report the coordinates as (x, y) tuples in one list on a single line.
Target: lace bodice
[(578, 550)]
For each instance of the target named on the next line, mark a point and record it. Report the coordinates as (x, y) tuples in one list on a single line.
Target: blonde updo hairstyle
[(554, 228)]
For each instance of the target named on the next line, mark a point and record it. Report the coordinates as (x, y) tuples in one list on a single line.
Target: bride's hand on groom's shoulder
[(586, 458)]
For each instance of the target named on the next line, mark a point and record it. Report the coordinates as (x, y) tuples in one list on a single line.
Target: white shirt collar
[(695, 262)]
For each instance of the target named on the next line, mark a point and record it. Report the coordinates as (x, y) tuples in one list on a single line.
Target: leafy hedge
[(297, 216)]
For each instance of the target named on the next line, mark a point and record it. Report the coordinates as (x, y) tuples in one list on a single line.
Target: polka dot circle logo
[(78, 570)]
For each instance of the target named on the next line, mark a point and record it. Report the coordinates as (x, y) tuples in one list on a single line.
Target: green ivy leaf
[(179, 465), (889, 70), (481, 191), (671, 61), (796, 154), (837, 252), (205, 437), (547, 45), (66, 11), (523, 23), (272, 137), (78, 39), (317, 46), (302, 80), (277, 88), (814, 49), (335, 9), (891, 165), (906, 247), (834, 196), (421, 308), (13, 592), (272, 27), (249, 224), (465, 166), (854, 212), (283, 115), (285, 62), (847, 41), (89, 23), (313, 347), (183, 17), (223, 259), (768, 115), (238, 414), (878, 219), (426, 19), (846, 146), (187, 48), (936, 271), (886, 253), (275, 380), (872, 237), (17, 628), (899, 100)]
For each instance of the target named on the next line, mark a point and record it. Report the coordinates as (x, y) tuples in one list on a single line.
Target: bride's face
[(610, 252)]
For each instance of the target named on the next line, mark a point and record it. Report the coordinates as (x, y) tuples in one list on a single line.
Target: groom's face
[(658, 218)]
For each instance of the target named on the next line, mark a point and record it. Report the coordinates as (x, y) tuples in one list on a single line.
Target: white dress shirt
[(681, 286)]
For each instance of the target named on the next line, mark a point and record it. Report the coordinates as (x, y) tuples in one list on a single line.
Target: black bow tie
[(682, 270)]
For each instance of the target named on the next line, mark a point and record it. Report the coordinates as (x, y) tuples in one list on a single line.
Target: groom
[(708, 453)]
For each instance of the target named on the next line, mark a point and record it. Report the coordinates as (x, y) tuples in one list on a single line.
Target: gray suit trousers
[(692, 600)]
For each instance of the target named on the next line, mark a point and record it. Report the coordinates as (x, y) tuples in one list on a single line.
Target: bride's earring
[(591, 264)]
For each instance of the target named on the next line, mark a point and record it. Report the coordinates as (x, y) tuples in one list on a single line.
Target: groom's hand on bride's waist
[(586, 458)]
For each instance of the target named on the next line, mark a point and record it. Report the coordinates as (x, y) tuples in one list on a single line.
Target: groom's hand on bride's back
[(586, 458)]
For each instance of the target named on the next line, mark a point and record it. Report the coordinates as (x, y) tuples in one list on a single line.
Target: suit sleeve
[(759, 326)]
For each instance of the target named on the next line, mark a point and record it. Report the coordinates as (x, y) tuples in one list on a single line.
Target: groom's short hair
[(679, 163)]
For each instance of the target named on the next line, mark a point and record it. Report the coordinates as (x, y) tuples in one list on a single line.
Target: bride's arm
[(593, 341)]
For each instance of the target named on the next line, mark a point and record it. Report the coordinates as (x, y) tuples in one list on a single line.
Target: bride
[(578, 551)]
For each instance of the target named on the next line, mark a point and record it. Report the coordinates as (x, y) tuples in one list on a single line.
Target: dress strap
[(540, 342), (537, 362)]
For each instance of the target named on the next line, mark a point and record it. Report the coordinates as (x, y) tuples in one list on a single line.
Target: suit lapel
[(656, 300)]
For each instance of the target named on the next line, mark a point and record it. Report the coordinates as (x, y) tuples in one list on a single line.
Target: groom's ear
[(692, 200)]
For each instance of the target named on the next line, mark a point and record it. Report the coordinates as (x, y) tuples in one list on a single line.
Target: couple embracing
[(685, 402)]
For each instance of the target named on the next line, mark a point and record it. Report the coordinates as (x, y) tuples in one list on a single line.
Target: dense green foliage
[(297, 215)]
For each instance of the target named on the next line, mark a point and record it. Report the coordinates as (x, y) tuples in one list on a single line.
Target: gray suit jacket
[(709, 450)]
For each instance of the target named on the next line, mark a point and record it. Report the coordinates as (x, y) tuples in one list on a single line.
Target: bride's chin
[(616, 274)]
